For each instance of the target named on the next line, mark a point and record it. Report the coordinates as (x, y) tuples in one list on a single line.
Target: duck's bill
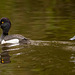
[(73, 38)]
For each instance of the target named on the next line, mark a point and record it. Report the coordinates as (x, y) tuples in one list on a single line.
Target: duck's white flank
[(13, 41)]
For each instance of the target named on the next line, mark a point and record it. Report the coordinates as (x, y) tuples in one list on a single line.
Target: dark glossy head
[(5, 25)]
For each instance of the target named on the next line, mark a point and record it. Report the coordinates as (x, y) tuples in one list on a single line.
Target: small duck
[(5, 25)]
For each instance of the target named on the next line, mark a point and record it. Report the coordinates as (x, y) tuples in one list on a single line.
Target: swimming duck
[(5, 25)]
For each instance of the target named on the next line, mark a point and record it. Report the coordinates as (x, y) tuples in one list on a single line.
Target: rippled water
[(49, 25)]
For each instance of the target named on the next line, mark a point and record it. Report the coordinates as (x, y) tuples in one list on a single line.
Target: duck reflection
[(4, 56), (6, 48)]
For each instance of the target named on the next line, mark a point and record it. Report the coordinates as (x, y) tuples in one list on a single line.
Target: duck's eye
[(2, 22)]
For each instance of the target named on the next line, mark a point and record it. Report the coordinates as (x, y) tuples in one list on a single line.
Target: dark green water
[(49, 24)]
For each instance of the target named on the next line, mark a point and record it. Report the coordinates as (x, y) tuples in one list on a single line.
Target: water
[(49, 25)]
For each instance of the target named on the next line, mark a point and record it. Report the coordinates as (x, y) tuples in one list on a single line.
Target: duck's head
[(5, 25)]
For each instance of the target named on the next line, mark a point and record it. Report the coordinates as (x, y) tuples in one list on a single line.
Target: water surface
[(49, 25)]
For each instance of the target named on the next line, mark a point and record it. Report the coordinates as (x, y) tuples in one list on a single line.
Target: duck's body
[(15, 38), (5, 25)]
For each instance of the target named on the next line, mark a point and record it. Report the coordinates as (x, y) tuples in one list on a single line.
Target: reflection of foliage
[(65, 8), (41, 19)]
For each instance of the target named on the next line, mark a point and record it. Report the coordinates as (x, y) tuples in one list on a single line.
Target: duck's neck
[(2, 36)]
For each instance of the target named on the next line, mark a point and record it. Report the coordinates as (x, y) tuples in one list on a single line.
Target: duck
[(5, 25)]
